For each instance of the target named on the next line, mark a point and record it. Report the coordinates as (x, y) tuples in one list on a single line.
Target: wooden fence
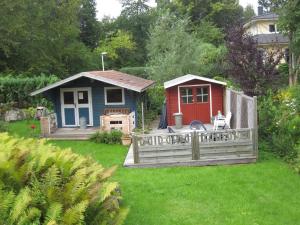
[(243, 109), (184, 147)]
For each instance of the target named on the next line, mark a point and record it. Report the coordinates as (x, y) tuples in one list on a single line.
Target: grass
[(264, 193)]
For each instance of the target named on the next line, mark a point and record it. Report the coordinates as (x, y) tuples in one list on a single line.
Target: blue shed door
[(76, 103)]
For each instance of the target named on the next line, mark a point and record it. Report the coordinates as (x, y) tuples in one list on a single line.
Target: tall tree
[(225, 13), (42, 37), (289, 22), (89, 26), (136, 18), (254, 69), (248, 13), (174, 50)]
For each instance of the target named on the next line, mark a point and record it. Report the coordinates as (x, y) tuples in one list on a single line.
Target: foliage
[(89, 26), (279, 121), (254, 69), (3, 126), (136, 18), (137, 71), (113, 137), (209, 33), (42, 184), (44, 37), (289, 23), (111, 45), (225, 13), (16, 90), (221, 13), (173, 51), (248, 13)]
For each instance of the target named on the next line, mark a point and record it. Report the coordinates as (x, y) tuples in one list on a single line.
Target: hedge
[(15, 90)]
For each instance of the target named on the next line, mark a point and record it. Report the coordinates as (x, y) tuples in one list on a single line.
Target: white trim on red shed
[(190, 77)]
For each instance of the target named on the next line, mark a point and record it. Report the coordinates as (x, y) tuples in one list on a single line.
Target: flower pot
[(126, 140)]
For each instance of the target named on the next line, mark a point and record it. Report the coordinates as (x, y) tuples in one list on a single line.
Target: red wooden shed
[(196, 97)]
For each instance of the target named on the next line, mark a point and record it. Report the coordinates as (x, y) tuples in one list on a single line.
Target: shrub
[(279, 121), (42, 184), (113, 137), (3, 126)]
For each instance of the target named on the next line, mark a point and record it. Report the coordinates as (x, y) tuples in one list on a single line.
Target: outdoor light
[(102, 57)]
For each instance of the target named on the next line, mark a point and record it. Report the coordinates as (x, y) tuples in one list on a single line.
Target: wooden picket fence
[(222, 145)]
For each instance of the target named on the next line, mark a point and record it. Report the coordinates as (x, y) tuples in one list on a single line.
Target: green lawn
[(263, 193)]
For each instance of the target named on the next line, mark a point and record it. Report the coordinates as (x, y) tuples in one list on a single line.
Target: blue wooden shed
[(91, 94)]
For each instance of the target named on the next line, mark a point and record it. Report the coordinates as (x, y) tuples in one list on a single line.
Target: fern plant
[(43, 184)]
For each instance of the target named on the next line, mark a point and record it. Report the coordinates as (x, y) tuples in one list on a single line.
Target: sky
[(112, 8)]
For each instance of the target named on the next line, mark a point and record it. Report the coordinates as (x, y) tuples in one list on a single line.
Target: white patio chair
[(222, 122)]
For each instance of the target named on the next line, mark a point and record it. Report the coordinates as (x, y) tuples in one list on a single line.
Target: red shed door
[(195, 103)]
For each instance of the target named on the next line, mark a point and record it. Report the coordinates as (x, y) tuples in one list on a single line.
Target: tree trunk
[(291, 61)]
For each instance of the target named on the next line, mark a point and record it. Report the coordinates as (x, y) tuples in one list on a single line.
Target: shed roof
[(112, 77), (190, 77)]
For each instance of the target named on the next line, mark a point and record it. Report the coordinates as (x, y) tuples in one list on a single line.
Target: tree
[(271, 5), (225, 13), (42, 38), (220, 13), (209, 33), (89, 26), (289, 23), (254, 69), (174, 51), (136, 18), (119, 41), (248, 13)]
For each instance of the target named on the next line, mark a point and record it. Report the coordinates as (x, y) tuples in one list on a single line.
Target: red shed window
[(186, 95), (202, 94)]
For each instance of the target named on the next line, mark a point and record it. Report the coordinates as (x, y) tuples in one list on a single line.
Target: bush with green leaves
[(43, 184), (15, 90), (279, 121), (3, 126), (113, 137)]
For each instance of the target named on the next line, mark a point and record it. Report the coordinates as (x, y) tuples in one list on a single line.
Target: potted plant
[(126, 139)]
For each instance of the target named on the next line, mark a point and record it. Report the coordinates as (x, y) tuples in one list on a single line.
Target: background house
[(265, 31)]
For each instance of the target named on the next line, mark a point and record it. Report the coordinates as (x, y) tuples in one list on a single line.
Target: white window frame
[(202, 94), (114, 103), (186, 96)]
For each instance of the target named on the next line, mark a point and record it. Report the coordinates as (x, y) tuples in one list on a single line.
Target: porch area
[(72, 133), (193, 148)]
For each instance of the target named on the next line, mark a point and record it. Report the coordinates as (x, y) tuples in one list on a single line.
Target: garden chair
[(222, 122)]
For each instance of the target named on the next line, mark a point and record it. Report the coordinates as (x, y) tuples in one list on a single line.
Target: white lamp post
[(102, 57)]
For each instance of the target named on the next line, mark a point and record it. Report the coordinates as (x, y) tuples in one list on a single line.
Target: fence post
[(255, 127), (195, 146), (135, 145)]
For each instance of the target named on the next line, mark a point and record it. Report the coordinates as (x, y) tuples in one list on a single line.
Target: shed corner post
[(255, 127), (135, 145)]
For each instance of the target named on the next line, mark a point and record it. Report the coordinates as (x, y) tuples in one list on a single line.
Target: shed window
[(202, 94), (114, 96), (186, 95)]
